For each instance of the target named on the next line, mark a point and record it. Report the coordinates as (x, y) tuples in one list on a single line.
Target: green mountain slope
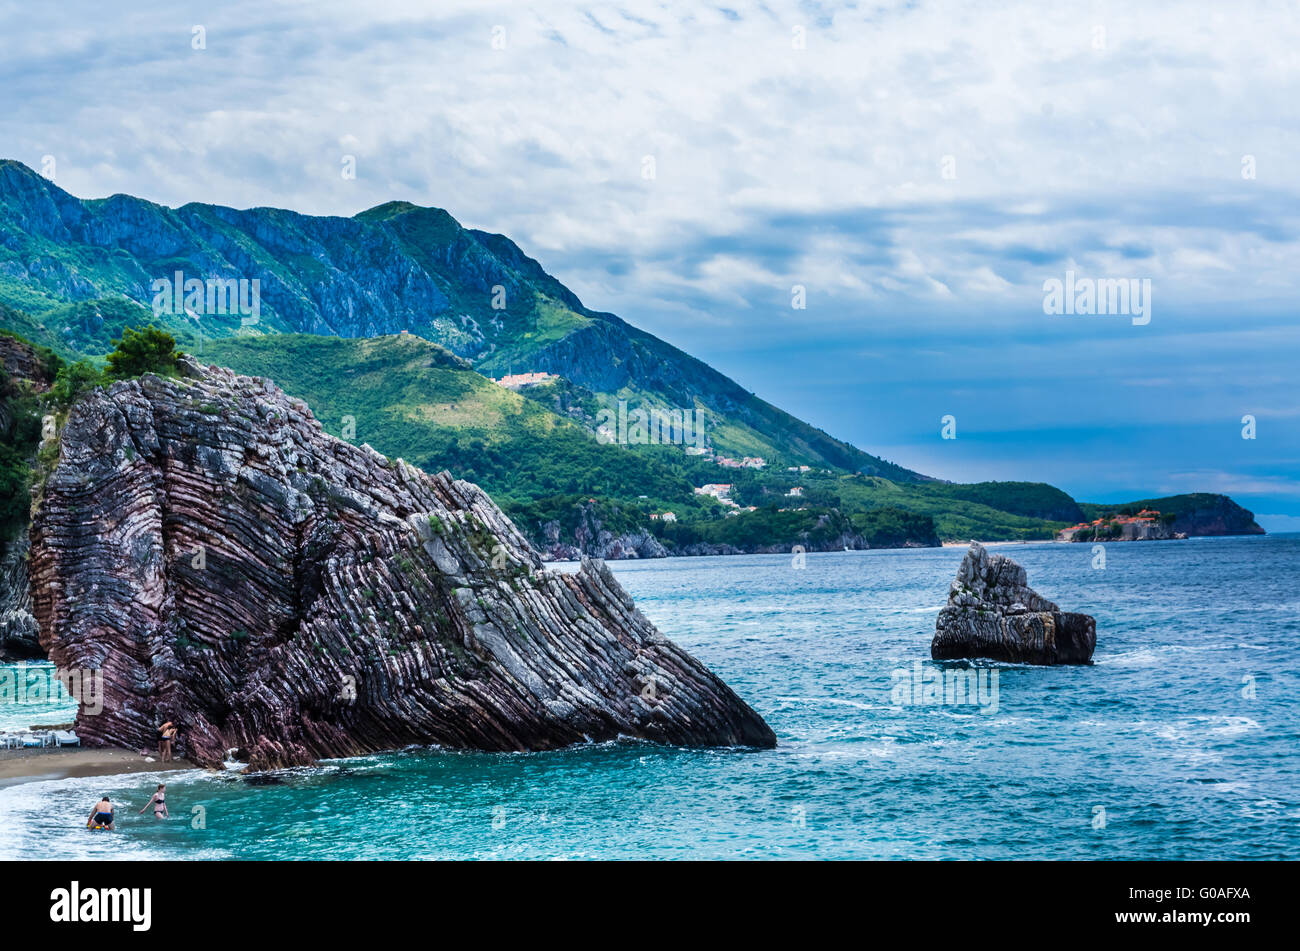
[(333, 297), (76, 267), (411, 398)]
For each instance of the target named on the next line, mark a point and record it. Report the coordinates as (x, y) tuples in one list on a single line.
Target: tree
[(73, 379), (143, 351)]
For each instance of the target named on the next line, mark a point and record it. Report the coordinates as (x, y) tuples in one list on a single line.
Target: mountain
[(83, 269), (392, 325)]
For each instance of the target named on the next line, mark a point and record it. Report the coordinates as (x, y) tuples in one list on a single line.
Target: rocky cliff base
[(1127, 532)]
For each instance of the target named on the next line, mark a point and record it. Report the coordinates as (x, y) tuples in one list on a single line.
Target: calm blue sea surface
[(1181, 740)]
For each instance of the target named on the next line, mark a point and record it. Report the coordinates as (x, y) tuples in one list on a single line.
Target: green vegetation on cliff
[(411, 398), (80, 271)]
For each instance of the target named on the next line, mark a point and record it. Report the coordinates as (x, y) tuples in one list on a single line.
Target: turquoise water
[(31, 695), (1161, 733)]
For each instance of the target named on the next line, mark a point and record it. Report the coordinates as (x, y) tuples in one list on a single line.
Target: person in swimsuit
[(101, 816), (159, 802), (166, 737)]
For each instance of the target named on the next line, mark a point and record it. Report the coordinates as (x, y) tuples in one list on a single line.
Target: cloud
[(1279, 523), (1231, 483)]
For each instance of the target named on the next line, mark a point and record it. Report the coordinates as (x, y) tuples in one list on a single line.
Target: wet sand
[(32, 765)]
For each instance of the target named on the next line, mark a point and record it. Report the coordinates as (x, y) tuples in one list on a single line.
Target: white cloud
[(1279, 523)]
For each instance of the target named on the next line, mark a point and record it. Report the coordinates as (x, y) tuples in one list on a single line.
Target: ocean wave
[(835, 701), (46, 819), (1155, 653)]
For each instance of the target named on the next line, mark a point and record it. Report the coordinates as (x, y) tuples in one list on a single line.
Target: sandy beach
[(31, 765)]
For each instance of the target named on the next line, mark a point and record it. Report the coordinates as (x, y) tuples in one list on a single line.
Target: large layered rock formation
[(277, 591), (992, 612)]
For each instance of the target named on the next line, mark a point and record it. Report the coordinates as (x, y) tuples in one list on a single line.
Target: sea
[(1181, 740)]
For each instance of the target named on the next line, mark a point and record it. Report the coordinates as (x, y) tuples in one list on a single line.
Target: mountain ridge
[(393, 267), (75, 273)]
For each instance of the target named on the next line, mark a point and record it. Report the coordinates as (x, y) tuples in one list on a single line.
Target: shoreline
[(812, 551), (37, 765), (1001, 543)]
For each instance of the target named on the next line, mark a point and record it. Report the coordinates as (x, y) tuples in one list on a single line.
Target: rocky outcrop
[(1210, 513), (710, 548), (993, 613), (610, 547), (276, 591), (20, 359), (592, 540), (19, 633)]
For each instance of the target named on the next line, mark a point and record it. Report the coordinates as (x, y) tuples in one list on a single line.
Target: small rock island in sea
[(290, 596), (993, 613)]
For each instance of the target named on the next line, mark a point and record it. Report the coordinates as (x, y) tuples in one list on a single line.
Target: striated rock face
[(606, 547), (272, 589), (992, 612), (21, 361)]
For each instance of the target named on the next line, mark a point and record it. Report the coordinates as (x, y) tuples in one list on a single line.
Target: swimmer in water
[(159, 802), (101, 815)]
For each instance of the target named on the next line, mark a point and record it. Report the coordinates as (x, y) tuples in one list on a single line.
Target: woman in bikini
[(166, 737), (159, 802), (101, 817)]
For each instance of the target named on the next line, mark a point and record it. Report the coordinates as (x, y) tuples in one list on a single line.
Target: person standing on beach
[(159, 802), (101, 816), (166, 737)]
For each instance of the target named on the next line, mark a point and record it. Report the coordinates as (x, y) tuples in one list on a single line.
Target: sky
[(920, 170)]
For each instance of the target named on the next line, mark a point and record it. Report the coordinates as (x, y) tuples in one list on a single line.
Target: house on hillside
[(512, 381), (718, 490)]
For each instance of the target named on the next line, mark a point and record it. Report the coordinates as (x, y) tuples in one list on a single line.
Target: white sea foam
[(834, 701), (46, 819)]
